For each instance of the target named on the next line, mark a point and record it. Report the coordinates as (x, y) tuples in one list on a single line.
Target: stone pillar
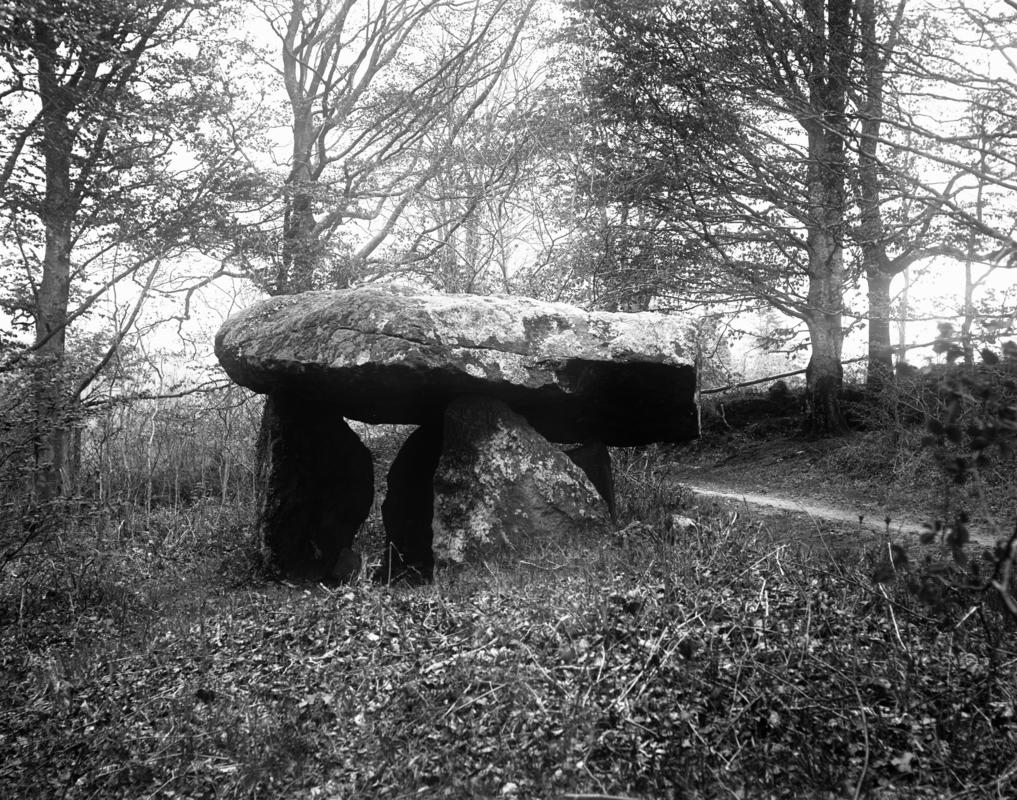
[(317, 485), (500, 485), (595, 460), (409, 507)]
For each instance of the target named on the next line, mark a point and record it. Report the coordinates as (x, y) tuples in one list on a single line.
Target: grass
[(734, 658)]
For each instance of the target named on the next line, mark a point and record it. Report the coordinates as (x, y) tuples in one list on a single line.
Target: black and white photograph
[(508, 399)]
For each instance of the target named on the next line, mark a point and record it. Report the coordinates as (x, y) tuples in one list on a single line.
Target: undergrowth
[(697, 653)]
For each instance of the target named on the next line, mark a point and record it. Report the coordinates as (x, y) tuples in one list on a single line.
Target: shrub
[(971, 434)]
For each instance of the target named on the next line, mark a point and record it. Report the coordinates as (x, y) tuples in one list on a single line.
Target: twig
[(743, 384), (865, 734), (896, 628)]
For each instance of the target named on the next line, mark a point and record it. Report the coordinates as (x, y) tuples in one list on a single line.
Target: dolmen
[(490, 382)]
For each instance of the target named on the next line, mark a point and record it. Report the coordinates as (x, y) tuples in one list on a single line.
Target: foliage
[(974, 432), (976, 420), (173, 451), (114, 158), (729, 142), (139, 463)]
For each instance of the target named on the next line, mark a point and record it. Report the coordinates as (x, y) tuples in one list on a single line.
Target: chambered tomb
[(490, 381)]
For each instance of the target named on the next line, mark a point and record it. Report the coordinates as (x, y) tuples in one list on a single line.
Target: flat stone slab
[(392, 355)]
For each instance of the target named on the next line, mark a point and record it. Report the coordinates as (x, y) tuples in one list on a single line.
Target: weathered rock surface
[(317, 486), (499, 484), (391, 356), (408, 507)]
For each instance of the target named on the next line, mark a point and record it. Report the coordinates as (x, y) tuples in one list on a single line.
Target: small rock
[(678, 524)]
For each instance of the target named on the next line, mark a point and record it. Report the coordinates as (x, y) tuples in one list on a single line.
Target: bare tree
[(737, 138), (479, 224), (368, 85), (108, 160), (932, 180)]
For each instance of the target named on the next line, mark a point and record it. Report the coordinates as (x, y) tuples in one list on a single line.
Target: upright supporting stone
[(500, 485), (409, 507), (317, 485), (595, 460)]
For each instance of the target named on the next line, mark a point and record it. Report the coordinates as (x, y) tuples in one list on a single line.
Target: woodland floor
[(797, 468), (858, 480), (740, 653)]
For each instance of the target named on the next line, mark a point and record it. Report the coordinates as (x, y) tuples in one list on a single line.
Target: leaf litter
[(725, 662)]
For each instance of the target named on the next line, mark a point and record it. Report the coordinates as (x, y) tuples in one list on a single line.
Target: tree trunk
[(826, 178), (52, 464), (902, 322), (874, 238), (879, 270), (299, 248), (825, 374), (880, 364), (968, 319), (967, 344)]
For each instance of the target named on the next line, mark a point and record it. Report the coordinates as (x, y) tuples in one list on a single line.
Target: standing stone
[(500, 485), (595, 460), (409, 507), (317, 485)]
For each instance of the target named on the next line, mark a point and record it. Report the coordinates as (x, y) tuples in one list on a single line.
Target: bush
[(971, 425)]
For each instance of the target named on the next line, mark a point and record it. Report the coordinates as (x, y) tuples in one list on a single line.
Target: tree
[(781, 146), (486, 216), (931, 183), (110, 167), (368, 87), (872, 181), (975, 71), (736, 124)]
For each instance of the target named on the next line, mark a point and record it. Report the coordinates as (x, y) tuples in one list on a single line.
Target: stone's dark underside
[(619, 404), (409, 507), (317, 486)]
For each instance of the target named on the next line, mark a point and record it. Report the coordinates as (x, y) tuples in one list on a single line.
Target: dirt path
[(871, 520)]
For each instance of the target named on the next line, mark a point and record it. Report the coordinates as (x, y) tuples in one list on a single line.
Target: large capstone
[(489, 380), (500, 485), (385, 355)]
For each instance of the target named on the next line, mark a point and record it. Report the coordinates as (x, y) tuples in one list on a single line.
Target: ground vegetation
[(701, 649)]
